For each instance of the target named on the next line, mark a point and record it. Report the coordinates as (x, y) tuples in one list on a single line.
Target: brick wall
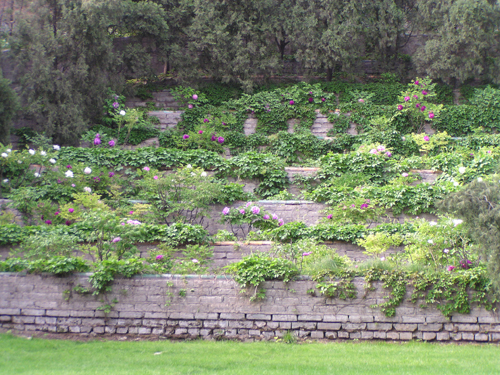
[(213, 307)]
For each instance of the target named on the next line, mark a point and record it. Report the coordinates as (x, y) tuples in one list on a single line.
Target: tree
[(66, 58), (9, 104), (464, 41)]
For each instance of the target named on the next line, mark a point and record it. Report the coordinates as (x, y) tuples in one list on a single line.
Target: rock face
[(211, 307)]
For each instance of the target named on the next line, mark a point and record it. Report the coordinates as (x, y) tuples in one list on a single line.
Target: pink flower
[(373, 151), (206, 120), (417, 105), (424, 92), (195, 97), (67, 222), (426, 138), (146, 169), (155, 177), (185, 136), (311, 100), (68, 166), (71, 210), (415, 96), (225, 211), (255, 210), (416, 82), (159, 257), (115, 105), (306, 254), (275, 217), (116, 239), (450, 268), (220, 140), (131, 212), (488, 152), (353, 206), (323, 99), (407, 98), (404, 174), (248, 204), (111, 174), (73, 185), (330, 216), (195, 261), (97, 141), (310, 92), (265, 217), (431, 115), (48, 222), (200, 131), (380, 148), (361, 100), (111, 143), (423, 108), (364, 205), (214, 137), (280, 222), (56, 213), (242, 211), (292, 102), (400, 107), (190, 106), (388, 154)]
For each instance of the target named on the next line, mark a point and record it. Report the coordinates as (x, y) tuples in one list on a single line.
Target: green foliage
[(59, 265), (106, 271), (9, 104)]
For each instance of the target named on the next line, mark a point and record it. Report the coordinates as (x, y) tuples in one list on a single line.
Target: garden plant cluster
[(86, 209)]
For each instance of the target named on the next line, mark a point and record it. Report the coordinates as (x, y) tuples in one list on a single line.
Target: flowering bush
[(246, 217), (354, 211)]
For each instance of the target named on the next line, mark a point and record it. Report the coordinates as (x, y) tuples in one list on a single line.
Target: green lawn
[(39, 356)]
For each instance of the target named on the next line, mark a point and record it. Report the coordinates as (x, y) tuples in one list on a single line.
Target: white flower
[(193, 174), (56, 147), (382, 259), (203, 174), (457, 222), (455, 183), (430, 241), (432, 223), (32, 152), (37, 174), (68, 174), (4, 155), (123, 113), (20, 161), (479, 179), (8, 150), (446, 251), (87, 170), (6, 180), (189, 166), (461, 170), (195, 261), (53, 161), (87, 189), (43, 153)]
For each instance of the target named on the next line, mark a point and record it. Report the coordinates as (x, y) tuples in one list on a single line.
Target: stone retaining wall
[(211, 307)]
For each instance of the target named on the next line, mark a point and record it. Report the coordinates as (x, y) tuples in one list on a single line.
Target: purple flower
[(111, 143), (242, 211), (248, 204), (146, 169), (225, 211), (200, 131), (159, 257), (59, 181), (292, 102), (265, 217), (214, 137), (111, 174), (306, 254), (67, 222), (116, 239), (417, 105), (71, 210), (450, 268), (310, 100), (275, 217), (56, 213), (426, 138), (388, 154), (195, 97), (431, 115), (364, 205), (68, 166), (353, 206), (220, 140), (155, 177), (330, 216), (415, 96), (423, 108), (280, 222), (407, 98), (98, 135), (115, 105), (48, 222), (185, 136), (400, 107), (206, 120), (310, 92), (190, 106), (323, 99), (97, 141), (255, 210), (424, 92), (416, 83)]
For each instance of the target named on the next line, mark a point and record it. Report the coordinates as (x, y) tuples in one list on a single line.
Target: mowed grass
[(40, 356)]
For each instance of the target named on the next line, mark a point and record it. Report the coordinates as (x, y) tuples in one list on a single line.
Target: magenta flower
[(146, 169), (310, 92), (200, 131), (67, 222), (190, 106), (115, 105), (56, 213), (131, 212), (73, 185), (255, 210), (159, 257), (155, 177), (330, 216), (292, 102), (48, 222), (98, 135), (220, 140), (111, 143), (323, 99), (111, 174), (214, 137), (416, 83), (426, 138), (242, 211), (424, 92), (415, 96), (195, 97), (417, 105), (407, 98), (353, 206), (71, 210), (265, 217), (307, 254), (68, 166), (373, 151), (450, 268), (388, 154), (364, 205), (206, 120), (404, 174), (116, 239), (185, 136), (310, 100), (275, 217), (59, 181), (280, 222), (431, 115), (423, 108), (97, 141), (225, 211), (488, 152), (361, 100), (400, 107)]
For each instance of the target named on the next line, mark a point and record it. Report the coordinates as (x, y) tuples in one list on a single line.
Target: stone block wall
[(162, 99), (212, 307)]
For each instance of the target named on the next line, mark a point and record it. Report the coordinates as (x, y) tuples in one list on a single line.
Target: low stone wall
[(212, 307), (162, 99)]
